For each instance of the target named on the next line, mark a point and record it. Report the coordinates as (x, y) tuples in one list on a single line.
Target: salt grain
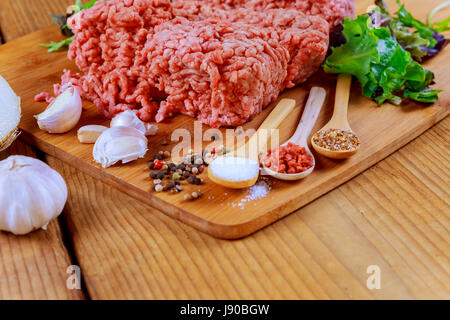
[(257, 191)]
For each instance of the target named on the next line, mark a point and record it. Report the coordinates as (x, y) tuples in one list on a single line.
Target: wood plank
[(20, 17), (34, 266), (245, 278), (382, 130), (394, 215)]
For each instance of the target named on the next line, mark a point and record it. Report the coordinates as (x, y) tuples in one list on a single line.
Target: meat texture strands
[(219, 61)]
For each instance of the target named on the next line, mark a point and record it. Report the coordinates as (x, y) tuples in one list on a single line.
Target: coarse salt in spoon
[(336, 139), (300, 138), (237, 172)]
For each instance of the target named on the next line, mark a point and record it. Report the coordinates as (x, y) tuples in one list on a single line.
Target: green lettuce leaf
[(384, 68)]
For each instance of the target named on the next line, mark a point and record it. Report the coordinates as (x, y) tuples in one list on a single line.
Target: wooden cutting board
[(221, 213)]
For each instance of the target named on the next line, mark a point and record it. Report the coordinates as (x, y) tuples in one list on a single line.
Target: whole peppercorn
[(176, 176), (187, 197), (186, 174), (201, 168), (194, 170), (165, 167), (195, 195), (151, 164), (158, 156), (160, 175), (159, 188), (181, 166), (172, 166), (153, 174), (179, 188), (158, 165), (156, 181), (171, 185), (166, 154), (191, 179)]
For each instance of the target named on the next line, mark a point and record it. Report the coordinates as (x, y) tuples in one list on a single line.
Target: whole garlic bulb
[(129, 118), (116, 144), (31, 194)]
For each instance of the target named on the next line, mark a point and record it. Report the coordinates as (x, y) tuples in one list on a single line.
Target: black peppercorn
[(153, 174), (160, 175), (158, 156)]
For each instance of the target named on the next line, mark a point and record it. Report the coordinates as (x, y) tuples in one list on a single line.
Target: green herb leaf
[(55, 46)]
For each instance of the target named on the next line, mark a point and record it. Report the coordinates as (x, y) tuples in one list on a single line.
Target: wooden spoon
[(339, 119), (244, 165), (312, 110)]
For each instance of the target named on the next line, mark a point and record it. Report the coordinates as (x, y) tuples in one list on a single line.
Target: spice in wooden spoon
[(336, 139), (238, 172), (293, 160)]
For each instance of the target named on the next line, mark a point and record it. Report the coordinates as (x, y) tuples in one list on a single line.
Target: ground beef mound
[(220, 61)]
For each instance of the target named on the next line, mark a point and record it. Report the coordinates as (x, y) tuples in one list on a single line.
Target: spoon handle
[(343, 86), (312, 110), (258, 141)]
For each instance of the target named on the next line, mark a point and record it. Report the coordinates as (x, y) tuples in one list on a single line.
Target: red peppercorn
[(158, 165)]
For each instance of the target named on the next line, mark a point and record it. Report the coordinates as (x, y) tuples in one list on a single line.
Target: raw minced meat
[(221, 61)]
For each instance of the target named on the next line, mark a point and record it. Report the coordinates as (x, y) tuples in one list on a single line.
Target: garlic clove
[(10, 118), (90, 133), (150, 129), (31, 194), (129, 118), (63, 113), (120, 143)]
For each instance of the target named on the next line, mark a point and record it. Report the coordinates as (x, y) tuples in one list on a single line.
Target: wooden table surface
[(394, 215)]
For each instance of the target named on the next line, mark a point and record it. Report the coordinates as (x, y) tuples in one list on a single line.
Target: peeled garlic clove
[(63, 113), (119, 144), (31, 194), (130, 119), (10, 114), (90, 133)]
